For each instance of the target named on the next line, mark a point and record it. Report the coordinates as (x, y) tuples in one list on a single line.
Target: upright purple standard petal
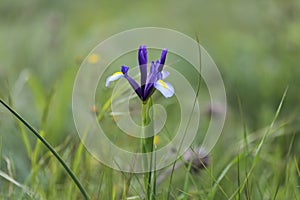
[(162, 59), (152, 68), (151, 79), (155, 75), (152, 74), (143, 60), (132, 82)]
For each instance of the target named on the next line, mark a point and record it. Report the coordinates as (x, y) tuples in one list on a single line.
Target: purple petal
[(124, 69), (149, 89), (152, 68), (143, 55), (131, 81), (159, 76), (143, 61), (151, 79), (152, 74), (157, 66), (162, 59), (134, 85)]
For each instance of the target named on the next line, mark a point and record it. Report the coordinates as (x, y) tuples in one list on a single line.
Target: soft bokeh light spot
[(93, 58), (156, 140)]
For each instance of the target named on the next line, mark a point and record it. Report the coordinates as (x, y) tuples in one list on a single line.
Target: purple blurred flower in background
[(149, 82)]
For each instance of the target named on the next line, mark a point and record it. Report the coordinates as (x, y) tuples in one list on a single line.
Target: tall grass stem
[(51, 149)]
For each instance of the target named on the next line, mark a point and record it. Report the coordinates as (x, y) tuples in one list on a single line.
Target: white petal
[(164, 74), (165, 88), (113, 77)]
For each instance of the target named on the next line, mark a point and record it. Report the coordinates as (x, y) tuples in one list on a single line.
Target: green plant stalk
[(75, 167), (186, 181), (260, 145), (143, 146), (194, 104), (153, 157), (147, 146), (62, 162)]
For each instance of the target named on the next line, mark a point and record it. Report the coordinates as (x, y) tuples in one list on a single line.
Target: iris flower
[(149, 82)]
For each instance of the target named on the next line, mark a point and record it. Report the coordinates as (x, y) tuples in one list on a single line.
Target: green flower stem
[(51, 149), (147, 146), (143, 147)]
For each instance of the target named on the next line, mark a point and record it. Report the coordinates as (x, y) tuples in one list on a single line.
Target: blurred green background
[(255, 44)]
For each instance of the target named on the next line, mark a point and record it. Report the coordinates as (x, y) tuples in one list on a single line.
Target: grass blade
[(260, 145), (49, 147)]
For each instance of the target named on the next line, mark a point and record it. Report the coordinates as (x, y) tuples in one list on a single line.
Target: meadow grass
[(257, 170)]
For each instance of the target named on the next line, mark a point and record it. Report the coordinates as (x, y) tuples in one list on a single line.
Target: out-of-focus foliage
[(255, 44)]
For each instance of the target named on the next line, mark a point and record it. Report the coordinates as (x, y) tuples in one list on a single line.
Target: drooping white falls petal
[(165, 88), (113, 77)]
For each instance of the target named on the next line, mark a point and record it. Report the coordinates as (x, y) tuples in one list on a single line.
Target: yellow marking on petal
[(93, 58), (117, 73), (162, 83)]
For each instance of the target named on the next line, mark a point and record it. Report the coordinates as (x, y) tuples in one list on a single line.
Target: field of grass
[(256, 46)]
